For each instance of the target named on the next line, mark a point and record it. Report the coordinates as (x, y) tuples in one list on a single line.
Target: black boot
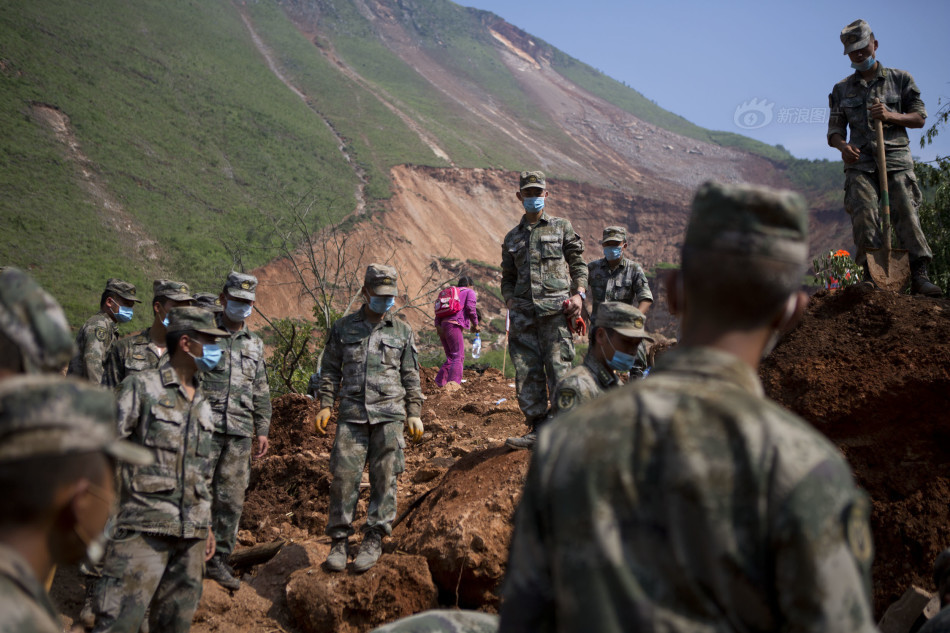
[(525, 441), (219, 571), (920, 283), (370, 550)]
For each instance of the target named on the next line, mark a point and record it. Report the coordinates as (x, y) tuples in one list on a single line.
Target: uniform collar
[(360, 315), (604, 375), (881, 73), (524, 219), (219, 319), (710, 365)]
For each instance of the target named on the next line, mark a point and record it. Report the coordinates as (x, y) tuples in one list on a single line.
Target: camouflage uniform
[(541, 267), (689, 501), (97, 336), (24, 602), (443, 621), (850, 101), (155, 558), (375, 371), (240, 403), (139, 352), (34, 323)]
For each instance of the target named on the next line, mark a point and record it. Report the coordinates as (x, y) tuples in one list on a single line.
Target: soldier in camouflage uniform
[(98, 334), (543, 279), (370, 361), (163, 527), (34, 333), (852, 106), (443, 621), (240, 402), (689, 501), (614, 344), (57, 436), (616, 278), (143, 350)]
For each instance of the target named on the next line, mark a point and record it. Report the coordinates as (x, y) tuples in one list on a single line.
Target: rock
[(452, 386), (397, 586), (900, 616)]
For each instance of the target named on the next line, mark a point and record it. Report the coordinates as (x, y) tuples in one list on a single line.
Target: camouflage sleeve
[(94, 353), (331, 369), (128, 404), (509, 272), (837, 121), (262, 405), (409, 372), (573, 248), (642, 285), (910, 97), (823, 549), (113, 368)]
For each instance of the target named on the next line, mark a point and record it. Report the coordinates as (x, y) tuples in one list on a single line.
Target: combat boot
[(526, 441), (219, 571), (920, 283), (336, 559), (370, 549)]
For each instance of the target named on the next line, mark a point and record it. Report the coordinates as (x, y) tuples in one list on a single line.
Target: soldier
[(614, 344), (689, 501), (143, 350), (443, 621), (57, 443), (616, 278), (34, 333), (543, 280), (163, 526), (852, 107), (208, 301), (240, 403), (97, 335), (370, 359)]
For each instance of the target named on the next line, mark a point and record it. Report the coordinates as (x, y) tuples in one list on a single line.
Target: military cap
[(208, 301), (614, 234), (33, 321), (748, 220), (122, 288), (193, 319), (856, 36), (48, 415), (168, 289), (622, 318), (531, 179), (382, 279), (240, 285)]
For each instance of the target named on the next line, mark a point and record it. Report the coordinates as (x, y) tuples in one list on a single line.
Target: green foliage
[(477, 262), (293, 360), (836, 270), (935, 218), (495, 358)]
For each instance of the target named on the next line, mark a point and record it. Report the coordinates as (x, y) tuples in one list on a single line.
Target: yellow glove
[(323, 418), (415, 429)]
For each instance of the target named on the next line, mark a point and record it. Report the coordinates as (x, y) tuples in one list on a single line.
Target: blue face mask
[(124, 315), (381, 305), (865, 65), (620, 361), (533, 205), (612, 252), (210, 356), (237, 311)]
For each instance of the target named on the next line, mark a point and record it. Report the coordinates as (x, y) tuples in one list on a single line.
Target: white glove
[(415, 429)]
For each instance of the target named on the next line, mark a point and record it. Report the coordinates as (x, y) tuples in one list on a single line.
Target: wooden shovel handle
[(882, 174)]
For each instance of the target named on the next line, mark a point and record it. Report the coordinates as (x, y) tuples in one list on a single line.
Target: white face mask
[(790, 304)]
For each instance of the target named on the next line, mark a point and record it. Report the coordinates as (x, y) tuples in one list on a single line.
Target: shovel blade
[(889, 268)]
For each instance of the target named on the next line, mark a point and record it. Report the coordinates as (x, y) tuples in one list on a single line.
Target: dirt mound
[(871, 370)]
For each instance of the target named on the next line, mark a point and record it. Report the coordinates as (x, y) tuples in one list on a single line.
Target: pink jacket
[(466, 317)]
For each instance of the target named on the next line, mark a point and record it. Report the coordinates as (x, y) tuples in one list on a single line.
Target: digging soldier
[(370, 361), (98, 334), (617, 278), (163, 535), (57, 453), (240, 404), (542, 281), (143, 350), (614, 342), (853, 108), (34, 333), (689, 501)]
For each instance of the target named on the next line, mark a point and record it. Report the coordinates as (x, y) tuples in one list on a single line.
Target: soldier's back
[(24, 605)]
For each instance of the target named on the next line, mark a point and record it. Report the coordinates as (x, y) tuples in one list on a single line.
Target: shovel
[(889, 267)]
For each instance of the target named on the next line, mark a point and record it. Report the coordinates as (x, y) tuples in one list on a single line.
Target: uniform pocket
[(391, 352), (153, 483), (551, 247), (164, 430)]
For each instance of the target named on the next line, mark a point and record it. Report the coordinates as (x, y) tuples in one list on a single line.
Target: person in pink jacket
[(450, 333)]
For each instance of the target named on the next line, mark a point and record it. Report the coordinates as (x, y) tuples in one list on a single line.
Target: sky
[(763, 69)]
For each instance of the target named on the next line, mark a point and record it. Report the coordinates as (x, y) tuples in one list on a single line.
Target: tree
[(935, 212)]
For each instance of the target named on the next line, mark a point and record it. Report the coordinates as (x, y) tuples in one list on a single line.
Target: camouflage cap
[(614, 234), (856, 36), (193, 319), (46, 415), (168, 289), (208, 301), (531, 179), (122, 288), (382, 279), (33, 321), (748, 220), (622, 318), (241, 285)]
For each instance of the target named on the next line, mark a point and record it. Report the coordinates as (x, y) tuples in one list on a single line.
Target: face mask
[(620, 361), (381, 305), (777, 332), (533, 205), (612, 252), (865, 65), (124, 315), (237, 311), (210, 356)]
